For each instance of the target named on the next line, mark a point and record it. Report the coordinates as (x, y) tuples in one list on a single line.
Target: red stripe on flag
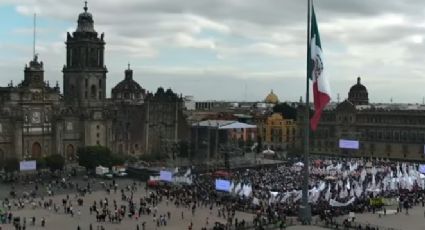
[(320, 101)]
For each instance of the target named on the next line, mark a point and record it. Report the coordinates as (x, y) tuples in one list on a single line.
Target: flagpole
[(305, 211)]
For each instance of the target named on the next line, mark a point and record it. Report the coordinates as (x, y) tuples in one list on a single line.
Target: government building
[(37, 120), (390, 131)]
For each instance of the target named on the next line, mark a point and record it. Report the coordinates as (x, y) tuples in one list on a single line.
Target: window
[(98, 57), (93, 91), (100, 83), (87, 82), (72, 90), (97, 135), (97, 126), (70, 57), (85, 95)]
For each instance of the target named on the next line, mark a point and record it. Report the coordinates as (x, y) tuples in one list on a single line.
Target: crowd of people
[(336, 187)]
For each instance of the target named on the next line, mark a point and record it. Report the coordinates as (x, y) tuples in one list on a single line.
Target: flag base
[(305, 214)]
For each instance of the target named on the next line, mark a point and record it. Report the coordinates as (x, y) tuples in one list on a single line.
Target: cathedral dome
[(85, 21), (272, 98), (128, 89), (358, 94)]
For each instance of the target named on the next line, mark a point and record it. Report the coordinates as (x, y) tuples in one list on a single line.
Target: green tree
[(40, 162), (183, 149), (115, 159), (55, 162), (11, 164), (287, 111), (153, 157), (92, 156)]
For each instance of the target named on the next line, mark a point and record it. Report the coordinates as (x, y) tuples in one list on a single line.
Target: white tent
[(238, 125), (268, 151), (300, 164)]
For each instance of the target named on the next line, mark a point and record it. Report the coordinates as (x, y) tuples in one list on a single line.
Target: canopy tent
[(223, 124), (221, 173), (268, 151), (238, 125), (299, 164)]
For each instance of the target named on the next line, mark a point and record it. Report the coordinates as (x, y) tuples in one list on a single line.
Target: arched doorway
[(70, 153), (36, 150)]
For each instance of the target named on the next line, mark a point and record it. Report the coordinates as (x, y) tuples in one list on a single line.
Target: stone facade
[(395, 131), (36, 120)]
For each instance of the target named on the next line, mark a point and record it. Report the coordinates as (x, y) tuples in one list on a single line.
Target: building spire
[(33, 44), (85, 6), (129, 66)]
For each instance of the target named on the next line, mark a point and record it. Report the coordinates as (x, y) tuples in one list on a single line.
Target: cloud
[(28, 10), (261, 42)]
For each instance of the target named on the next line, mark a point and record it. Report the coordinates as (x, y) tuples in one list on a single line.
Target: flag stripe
[(321, 89)]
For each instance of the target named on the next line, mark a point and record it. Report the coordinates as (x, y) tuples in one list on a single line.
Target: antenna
[(33, 45), (245, 92)]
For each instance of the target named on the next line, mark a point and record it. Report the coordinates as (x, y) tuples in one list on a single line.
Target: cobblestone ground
[(305, 228), (61, 221), (415, 220)]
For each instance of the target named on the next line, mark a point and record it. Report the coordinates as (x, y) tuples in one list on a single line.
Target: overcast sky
[(230, 49)]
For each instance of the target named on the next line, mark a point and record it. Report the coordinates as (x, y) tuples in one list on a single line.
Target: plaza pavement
[(415, 220), (61, 221)]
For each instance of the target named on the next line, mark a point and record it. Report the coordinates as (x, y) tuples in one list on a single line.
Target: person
[(43, 222)]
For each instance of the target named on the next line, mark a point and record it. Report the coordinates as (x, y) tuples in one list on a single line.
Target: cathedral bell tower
[(84, 74), (34, 74)]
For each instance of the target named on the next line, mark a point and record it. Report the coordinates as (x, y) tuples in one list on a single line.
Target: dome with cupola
[(128, 89), (85, 21), (271, 98), (358, 94)]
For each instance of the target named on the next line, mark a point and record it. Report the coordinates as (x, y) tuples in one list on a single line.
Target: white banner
[(335, 203)]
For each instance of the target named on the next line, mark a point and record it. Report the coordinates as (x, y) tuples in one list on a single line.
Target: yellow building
[(277, 133)]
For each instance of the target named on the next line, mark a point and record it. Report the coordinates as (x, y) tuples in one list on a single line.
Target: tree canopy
[(55, 162), (287, 111), (93, 156), (11, 164)]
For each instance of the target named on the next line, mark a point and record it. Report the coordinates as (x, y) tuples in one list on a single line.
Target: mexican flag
[(321, 89)]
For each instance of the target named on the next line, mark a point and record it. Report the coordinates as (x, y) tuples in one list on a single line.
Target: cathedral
[(37, 120)]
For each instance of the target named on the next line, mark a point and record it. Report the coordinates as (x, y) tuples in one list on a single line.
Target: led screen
[(422, 169), (348, 144), (27, 165), (165, 176), (222, 185)]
